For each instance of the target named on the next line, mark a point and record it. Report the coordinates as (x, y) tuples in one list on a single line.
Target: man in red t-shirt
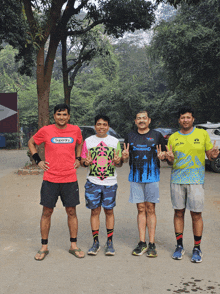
[(60, 142)]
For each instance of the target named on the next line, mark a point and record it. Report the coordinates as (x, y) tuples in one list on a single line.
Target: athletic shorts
[(187, 196), (144, 192), (100, 195), (68, 192)]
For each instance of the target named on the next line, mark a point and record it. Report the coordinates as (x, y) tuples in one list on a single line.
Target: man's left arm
[(79, 144), (212, 153), (161, 148), (117, 156)]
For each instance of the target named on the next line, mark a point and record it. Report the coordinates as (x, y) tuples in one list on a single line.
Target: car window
[(114, 134), (87, 132)]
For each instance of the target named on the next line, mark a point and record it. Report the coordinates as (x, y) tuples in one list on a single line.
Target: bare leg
[(109, 214), (95, 222), (45, 228), (197, 223), (142, 220), (151, 220), (179, 220), (73, 227)]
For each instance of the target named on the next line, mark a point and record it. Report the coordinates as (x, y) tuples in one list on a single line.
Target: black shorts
[(68, 192)]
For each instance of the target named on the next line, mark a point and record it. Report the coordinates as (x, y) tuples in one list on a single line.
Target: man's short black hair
[(61, 107), (101, 116), (184, 110), (143, 111)]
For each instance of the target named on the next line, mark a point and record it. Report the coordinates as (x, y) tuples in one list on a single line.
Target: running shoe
[(178, 253), (151, 251), (109, 249), (140, 249), (197, 255), (94, 249)]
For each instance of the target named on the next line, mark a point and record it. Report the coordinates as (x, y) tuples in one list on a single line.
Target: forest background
[(173, 64)]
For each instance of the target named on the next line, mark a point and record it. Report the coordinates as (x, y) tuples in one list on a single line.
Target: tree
[(14, 31), (190, 49), (80, 53), (48, 21)]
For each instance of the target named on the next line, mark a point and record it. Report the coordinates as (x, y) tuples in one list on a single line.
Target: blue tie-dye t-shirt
[(189, 156), (143, 161)]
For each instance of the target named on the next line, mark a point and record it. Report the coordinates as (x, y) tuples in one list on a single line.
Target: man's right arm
[(32, 146), (169, 153)]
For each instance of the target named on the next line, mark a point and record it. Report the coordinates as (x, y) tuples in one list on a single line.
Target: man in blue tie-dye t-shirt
[(144, 148)]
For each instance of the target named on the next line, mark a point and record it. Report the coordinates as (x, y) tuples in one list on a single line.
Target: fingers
[(214, 144), (169, 150), (126, 147)]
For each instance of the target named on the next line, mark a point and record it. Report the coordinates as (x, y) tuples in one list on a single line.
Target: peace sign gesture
[(125, 152), (214, 152), (88, 159), (161, 155), (116, 158), (169, 154)]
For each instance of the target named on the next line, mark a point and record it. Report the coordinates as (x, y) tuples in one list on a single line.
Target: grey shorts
[(187, 196), (68, 192), (144, 192)]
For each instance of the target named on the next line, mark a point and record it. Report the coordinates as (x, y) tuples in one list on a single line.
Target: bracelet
[(79, 158), (84, 164), (36, 158)]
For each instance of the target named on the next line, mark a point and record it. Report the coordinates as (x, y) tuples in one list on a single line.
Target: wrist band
[(73, 239), (79, 158), (36, 158), (84, 164)]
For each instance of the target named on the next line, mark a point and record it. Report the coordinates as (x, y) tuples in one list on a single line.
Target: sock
[(110, 234), (197, 241), (179, 239), (95, 234)]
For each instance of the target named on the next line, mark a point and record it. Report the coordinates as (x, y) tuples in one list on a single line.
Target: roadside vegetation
[(180, 65)]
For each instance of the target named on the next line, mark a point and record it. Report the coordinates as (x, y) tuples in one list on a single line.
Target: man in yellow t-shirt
[(186, 153)]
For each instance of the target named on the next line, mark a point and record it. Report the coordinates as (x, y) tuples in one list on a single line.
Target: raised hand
[(214, 152), (169, 154), (43, 165), (116, 158), (125, 152), (88, 159), (161, 155)]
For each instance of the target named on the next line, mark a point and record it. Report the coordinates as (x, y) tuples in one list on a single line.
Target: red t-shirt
[(59, 152)]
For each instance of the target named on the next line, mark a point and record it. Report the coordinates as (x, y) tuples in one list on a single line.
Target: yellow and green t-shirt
[(189, 156)]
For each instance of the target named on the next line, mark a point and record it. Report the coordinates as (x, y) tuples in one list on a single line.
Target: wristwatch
[(79, 158)]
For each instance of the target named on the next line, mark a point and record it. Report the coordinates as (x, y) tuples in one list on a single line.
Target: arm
[(117, 156), (78, 153), (169, 155), (212, 153), (125, 153), (32, 146)]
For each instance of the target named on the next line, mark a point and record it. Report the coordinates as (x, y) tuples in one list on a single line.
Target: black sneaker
[(151, 251), (140, 249)]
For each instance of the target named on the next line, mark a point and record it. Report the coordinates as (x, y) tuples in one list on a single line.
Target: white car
[(213, 130)]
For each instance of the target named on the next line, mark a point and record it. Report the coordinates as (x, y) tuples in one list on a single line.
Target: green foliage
[(190, 49), (14, 31)]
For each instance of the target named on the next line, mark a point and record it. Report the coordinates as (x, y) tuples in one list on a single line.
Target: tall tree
[(190, 48), (48, 21)]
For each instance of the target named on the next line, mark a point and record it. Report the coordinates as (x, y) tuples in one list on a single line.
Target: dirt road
[(61, 272)]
